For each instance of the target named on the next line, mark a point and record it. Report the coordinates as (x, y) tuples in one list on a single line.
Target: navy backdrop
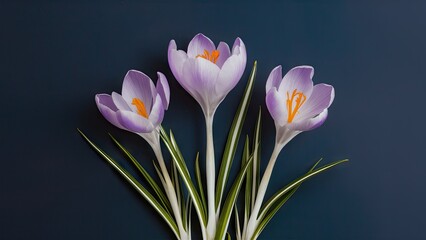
[(55, 56)]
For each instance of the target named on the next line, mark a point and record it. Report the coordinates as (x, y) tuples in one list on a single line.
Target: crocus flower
[(295, 104), (206, 72), (140, 107)]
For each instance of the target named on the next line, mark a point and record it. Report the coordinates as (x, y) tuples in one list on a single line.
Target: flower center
[(140, 107), (299, 99), (212, 57)]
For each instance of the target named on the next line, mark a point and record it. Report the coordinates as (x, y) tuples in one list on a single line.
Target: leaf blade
[(225, 215), (163, 199), (290, 189), (142, 191), (186, 177), (233, 137)]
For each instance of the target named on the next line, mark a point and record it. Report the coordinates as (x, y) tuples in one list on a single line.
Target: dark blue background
[(55, 56)]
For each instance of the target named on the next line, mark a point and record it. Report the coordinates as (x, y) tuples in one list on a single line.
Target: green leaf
[(188, 214), (256, 157), (176, 184), (199, 179), (186, 177), (141, 190), (162, 197), (237, 222), (159, 173), (279, 198), (173, 141), (249, 175), (265, 219), (233, 137), (225, 214)]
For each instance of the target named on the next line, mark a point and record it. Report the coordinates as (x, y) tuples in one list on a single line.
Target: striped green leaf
[(248, 187), (265, 219), (186, 177), (256, 157), (199, 179), (233, 137), (285, 193), (237, 222), (229, 203), (162, 197), (141, 190)]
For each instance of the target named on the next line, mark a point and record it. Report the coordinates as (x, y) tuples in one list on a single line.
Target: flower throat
[(140, 106), (299, 98), (212, 57)]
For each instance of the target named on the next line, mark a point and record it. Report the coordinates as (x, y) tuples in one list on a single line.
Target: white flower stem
[(253, 221), (170, 190), (210, 175)]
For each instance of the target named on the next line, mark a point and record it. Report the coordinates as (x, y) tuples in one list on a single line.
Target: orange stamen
[(140, 106), (212, 57), (299, 98)]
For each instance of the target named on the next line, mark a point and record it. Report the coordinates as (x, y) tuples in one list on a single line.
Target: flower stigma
[(299, 99), (212, 57), (140, 106)]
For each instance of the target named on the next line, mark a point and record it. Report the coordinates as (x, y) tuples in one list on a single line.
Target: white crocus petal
[(298, 78), (310, 123), (163, 89), (274, 79), (177, 59), (224, 53), (201, 75), (276, 104), (321, 98), (199, 44), (119, 102), (157, 113), (137, 84), (229, 76), (134, 122), (108, 109)]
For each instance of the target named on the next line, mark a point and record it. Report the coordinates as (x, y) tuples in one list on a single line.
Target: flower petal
[(137, 85), (201, 75), (310, 123), (177, 59), (134, 122), (224, 53), (229, 76), (321, 98), (198, 44), (163, 90), (299, 78), (231, 71), (276, 106), (157, 113), (119, 102), (275, 78), (239, 48), (108, 109)]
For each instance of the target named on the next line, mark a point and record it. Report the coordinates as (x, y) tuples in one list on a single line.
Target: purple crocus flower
[(140, 109), (295, 104), (206, 72), (141, 106)]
